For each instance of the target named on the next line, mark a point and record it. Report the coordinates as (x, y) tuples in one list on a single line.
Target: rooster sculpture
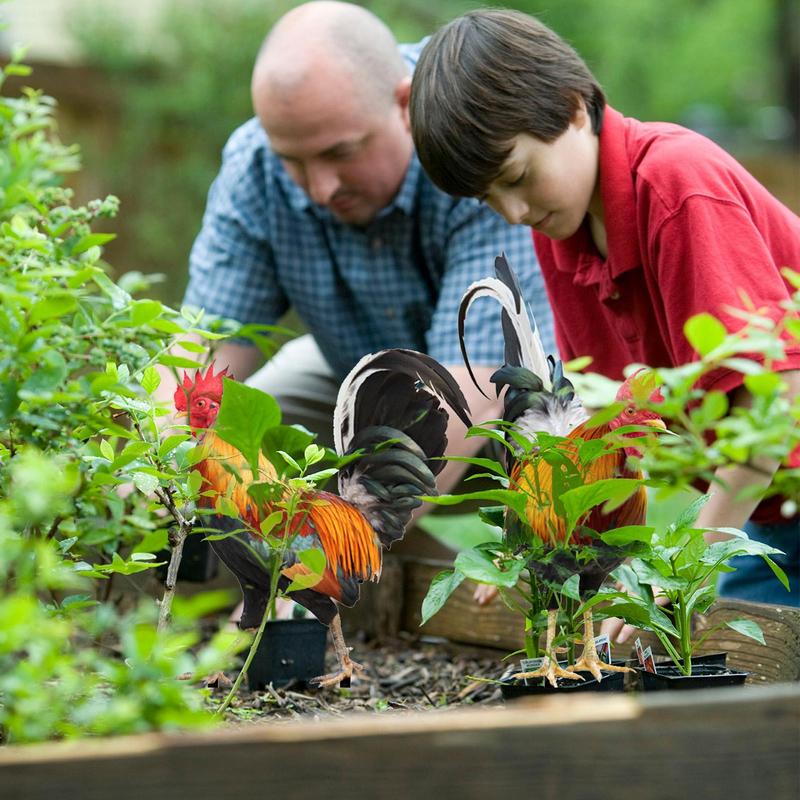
[(540, 399), (389, 408)]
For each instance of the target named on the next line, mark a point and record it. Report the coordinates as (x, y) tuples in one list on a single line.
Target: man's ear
[(581, 117), (402, 96)]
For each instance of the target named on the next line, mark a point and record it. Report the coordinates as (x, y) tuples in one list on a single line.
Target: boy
[(637, 226)]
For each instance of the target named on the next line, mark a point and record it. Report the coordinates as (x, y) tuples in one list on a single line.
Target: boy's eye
[(518, 180)]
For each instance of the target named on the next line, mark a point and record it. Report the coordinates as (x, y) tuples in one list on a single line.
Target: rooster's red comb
[(209, 385)]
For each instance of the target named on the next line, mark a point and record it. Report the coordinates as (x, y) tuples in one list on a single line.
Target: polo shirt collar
[(405, 200)]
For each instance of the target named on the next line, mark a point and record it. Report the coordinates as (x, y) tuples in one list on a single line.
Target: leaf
[(442, 586), (54, 305), (627, 534), (92, 240), (314, 559), (571, 587), (765, 384), (747, 627), (779, 573), (244, 417), (107, 450), (704, 332), (292, 439), (183, 363), (171, 442), (151, 380), (301, 582), (648, 574), (194, 482), (612, 490), (479, 566), (689, 515), (146, 484)]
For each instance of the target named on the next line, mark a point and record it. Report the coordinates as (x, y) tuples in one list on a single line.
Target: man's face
[(549, 186), (344, 152)]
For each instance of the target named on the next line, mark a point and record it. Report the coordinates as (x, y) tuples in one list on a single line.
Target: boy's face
[(550, 185)]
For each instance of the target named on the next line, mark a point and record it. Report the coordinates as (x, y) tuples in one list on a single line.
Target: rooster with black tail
[(389, 407), (539, 398)]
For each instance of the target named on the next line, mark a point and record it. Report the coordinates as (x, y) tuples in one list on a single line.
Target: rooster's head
[(201, 397), (638, 392)]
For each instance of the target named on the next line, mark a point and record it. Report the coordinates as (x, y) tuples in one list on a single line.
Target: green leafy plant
[(513, 563), (78, 422), (682, 568)]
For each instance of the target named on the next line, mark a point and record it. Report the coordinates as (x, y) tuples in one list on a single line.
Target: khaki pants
[(299, 378)]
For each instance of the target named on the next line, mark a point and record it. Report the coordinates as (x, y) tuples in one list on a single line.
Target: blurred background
[(151, 90)]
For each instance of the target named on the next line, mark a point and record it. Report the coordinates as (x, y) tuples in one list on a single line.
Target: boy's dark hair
[(485, 78)]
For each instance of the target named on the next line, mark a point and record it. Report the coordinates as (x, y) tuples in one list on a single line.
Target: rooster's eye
[(201, 403), (630, 411)]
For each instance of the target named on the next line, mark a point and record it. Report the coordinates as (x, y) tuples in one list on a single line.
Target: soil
[(406, 674)]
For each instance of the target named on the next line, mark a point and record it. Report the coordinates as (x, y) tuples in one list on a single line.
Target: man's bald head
[(331, 41)]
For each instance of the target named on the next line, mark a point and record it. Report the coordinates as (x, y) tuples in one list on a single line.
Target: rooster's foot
[(551, 671), (347, 668), (590, 662)]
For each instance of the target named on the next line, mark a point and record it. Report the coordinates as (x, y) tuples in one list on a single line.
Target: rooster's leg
[(549, 668), (589, 659), (346, 664)]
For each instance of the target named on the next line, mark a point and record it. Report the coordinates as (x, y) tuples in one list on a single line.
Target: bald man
[(321, 205)]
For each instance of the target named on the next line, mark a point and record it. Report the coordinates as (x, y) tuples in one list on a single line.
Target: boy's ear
[(402, 96), (581, 116)]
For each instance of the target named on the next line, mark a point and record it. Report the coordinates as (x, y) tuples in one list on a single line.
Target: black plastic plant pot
[(290, 651), (707, 672), (512, 689), (199, 562)]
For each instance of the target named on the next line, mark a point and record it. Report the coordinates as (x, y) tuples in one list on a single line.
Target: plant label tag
[(639, 651), (603, 646), (529, 665), (649, 661)]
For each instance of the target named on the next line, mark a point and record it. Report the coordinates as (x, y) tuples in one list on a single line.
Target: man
[(321, 205)]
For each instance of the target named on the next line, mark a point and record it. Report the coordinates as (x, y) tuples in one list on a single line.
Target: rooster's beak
[(656, 423)]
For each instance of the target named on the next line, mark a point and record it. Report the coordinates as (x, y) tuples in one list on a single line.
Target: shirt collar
[(405, 200)]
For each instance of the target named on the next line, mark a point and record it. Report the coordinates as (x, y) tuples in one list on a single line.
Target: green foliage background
[(182, 91)]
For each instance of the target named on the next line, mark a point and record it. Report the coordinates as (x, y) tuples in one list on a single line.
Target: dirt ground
[(406, 674)]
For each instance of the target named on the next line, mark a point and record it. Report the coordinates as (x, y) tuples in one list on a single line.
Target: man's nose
[(321, 183)]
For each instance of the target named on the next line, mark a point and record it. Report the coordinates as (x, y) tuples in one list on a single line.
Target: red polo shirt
[(688, 230)]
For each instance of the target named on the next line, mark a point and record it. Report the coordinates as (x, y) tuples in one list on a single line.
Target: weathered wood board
[(726, 743)]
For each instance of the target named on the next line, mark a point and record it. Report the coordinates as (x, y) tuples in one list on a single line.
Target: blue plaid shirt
[(265, 247)]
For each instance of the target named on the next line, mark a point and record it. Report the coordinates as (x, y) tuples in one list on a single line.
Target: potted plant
[(679, 565), (544, 581)]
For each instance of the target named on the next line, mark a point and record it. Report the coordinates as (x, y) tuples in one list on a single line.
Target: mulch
[(406, 674)]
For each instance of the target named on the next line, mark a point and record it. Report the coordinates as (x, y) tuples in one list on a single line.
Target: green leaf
[(182, 363), (779, 573), (442, 586), (627, 534), (292, 439), (194, 482), (244, 417), (301, 582), (151, 380), (314, 559), (146, 484), (92, 240), (479, 566), (270, 522), (171, 442), (764, 385), (747, 627), (571, 587), (688, 516), (704, 333), (614, 491), (54, 305), (107, 450)]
